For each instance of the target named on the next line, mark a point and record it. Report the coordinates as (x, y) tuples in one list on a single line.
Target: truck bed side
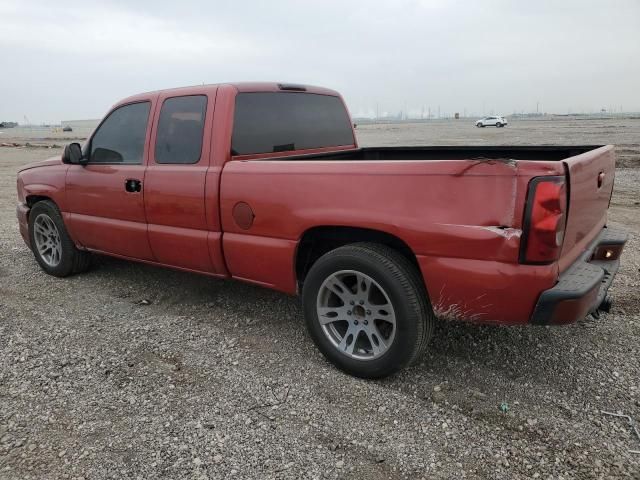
[(462, 219)]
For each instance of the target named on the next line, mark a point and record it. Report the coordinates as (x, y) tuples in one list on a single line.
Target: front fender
[(48, 182)]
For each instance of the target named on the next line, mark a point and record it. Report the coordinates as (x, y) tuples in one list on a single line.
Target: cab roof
[(243, 87)]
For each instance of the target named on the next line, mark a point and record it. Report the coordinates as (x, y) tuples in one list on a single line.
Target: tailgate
[(590, 179)]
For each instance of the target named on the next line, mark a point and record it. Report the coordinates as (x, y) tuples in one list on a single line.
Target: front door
[(106, 196)]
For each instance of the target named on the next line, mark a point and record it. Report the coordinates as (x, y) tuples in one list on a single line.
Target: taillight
[(545, 220)]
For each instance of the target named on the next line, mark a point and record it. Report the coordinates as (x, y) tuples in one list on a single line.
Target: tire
[(62, 258), (479, 125), (389, 331), (499, 125)]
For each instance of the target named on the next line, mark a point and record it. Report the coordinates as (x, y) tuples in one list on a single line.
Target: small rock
[(340, 464), (478, 394), (437, 397)]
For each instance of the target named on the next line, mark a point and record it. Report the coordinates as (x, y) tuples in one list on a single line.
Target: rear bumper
[(22, 212), (583, 286)]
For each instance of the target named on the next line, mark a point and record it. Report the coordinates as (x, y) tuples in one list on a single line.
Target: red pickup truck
[(265, 183)]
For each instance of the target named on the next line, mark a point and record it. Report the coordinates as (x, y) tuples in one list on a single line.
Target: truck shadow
[(470, 356)]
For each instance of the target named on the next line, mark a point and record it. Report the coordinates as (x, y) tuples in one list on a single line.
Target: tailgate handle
[(601, 176)]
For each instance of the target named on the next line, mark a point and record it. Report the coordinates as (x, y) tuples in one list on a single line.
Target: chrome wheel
[(356, 315), (47, 240)]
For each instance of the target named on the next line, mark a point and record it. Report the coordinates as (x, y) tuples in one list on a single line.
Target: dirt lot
[(131, 371)]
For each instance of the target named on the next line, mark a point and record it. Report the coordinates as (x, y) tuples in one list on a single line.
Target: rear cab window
[(268, 122)]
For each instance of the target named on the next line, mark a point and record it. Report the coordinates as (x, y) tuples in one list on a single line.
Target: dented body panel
[(461, 218), (460, 211)]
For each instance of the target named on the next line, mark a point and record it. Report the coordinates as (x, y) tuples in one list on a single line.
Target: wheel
[(367, 310), (498, 125), (479, 125), (54, 250)]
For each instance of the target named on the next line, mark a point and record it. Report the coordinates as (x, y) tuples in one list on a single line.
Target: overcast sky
[(64, 60)]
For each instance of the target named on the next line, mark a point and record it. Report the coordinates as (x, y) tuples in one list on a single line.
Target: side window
[(180, 128), (120, 138)]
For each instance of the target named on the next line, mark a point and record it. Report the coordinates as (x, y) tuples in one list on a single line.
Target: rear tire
[(499, 125), (52, 247), (367, 310)]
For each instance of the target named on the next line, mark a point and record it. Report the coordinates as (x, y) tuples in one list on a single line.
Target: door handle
[(132, 185)]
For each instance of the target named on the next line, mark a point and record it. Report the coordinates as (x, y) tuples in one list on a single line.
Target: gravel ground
[(131, 371)]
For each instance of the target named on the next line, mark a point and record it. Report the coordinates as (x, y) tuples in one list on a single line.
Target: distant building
[(80, 123)]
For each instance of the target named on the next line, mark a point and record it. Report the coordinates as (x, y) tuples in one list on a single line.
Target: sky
[(62, 60)]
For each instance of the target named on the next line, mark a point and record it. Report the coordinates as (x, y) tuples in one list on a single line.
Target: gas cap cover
[(243, 215)]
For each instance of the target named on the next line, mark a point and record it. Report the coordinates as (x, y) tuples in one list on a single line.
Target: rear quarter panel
[(461, 218)]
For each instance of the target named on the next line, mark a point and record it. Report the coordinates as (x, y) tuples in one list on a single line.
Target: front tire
[(367, 310), (499, 125), (52, 247)]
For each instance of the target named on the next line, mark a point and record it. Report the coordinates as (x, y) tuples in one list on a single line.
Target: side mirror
[(72, 154)]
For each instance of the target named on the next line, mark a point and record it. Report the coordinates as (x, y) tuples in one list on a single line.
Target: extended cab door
[(105, 197), (176, 202)]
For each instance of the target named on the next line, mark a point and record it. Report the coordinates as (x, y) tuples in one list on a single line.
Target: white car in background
[(492, 122)]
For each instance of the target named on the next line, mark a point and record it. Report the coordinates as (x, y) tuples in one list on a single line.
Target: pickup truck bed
[(460, 211)]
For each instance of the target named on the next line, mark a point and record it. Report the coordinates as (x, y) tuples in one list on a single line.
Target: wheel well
[(33, 199), (317, 241)]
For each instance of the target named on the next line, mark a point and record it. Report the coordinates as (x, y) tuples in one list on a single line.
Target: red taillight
[(545, 220)]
